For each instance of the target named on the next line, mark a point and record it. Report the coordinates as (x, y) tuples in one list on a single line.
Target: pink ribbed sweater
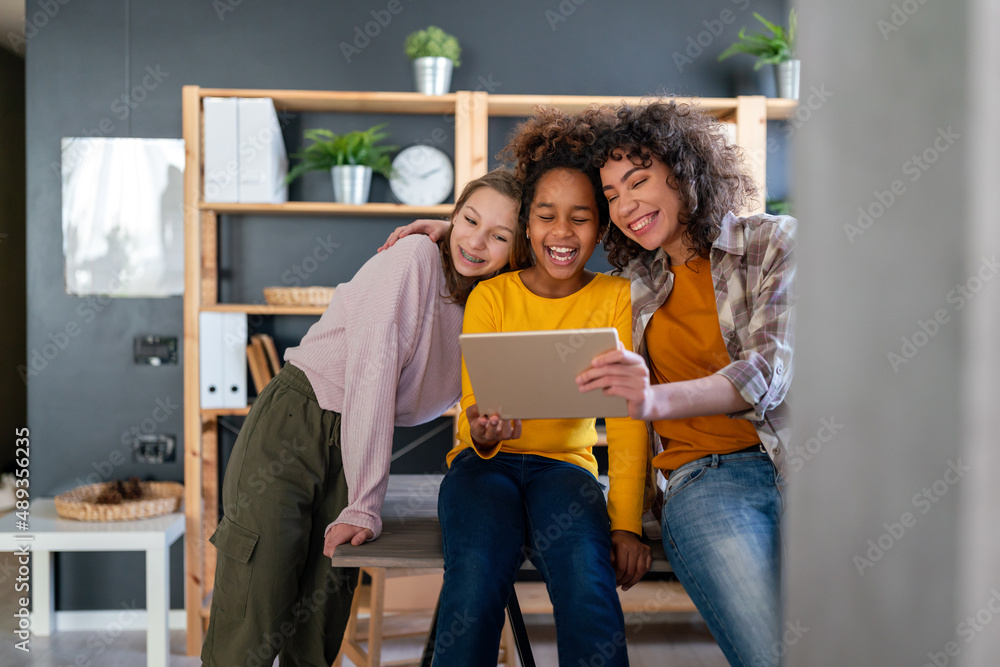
[(384, 353)]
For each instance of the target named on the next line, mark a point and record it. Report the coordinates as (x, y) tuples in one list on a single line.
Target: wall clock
[(423, 176)]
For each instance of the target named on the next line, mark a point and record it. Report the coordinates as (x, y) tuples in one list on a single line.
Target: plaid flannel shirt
[(753, 270)]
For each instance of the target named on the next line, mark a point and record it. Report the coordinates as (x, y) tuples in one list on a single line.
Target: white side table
[(51, 533)]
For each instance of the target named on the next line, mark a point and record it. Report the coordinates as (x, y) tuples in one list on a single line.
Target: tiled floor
[(675, 641)]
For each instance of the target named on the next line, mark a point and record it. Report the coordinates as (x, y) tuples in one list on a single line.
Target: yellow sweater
[(505, 304)]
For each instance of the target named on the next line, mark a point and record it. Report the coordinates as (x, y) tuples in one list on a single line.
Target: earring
[(527, 234)]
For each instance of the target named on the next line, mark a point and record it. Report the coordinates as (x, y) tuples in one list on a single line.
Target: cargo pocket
[(234, 566)]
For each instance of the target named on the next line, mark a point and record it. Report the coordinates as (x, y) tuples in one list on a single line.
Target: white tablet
[(532, 374)]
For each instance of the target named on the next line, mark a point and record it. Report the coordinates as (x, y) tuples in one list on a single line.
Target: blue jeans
[(722, 535), (494, 513)]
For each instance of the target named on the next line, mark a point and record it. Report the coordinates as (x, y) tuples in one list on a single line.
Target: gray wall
[(13, 392), (891, 522), (90, 54)]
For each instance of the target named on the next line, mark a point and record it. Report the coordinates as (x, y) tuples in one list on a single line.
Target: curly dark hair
[(553, 139), (707, 169)]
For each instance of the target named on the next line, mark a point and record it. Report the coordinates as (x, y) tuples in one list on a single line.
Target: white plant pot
[(786, 77), (433, 75), (351, 184)]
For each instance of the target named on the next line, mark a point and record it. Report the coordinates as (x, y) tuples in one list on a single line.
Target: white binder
[(222, 360), (210, 360), (263, 161), (222, 158), (234, 360)]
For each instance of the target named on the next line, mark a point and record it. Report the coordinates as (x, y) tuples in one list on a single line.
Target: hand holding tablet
[(489, 429), (532, 374)]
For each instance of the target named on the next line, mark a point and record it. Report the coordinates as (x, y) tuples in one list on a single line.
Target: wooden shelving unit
[(325, 208), (471, 111)]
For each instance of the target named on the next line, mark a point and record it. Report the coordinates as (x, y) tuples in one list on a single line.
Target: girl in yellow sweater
[(517, 490)]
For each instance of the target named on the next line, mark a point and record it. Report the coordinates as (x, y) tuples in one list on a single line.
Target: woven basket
[(158, 498), (298, 296)]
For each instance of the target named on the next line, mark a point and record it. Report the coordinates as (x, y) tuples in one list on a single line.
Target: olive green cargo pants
[(275, 591)]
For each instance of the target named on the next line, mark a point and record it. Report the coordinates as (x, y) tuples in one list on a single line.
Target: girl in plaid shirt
[(712, 328)]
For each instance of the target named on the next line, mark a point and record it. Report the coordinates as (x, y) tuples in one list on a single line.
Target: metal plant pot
[(786, 76), (351, 184), (433, 75)]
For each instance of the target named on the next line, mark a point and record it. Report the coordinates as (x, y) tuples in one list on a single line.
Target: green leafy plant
[(778, 207), (329, 150), (772, 50), (433, 43)]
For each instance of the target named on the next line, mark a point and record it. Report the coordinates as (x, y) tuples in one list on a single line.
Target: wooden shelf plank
[(345, 101), (499, 105), (781, 109), (326, 208), (263, 309), (524, 105), (226, 412)]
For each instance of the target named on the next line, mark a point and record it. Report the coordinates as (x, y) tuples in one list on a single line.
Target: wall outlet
[(155, 350), (154, 448)]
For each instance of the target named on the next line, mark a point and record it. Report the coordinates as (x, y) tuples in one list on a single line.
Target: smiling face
[(643, 204), (563, 224), (482, 232)]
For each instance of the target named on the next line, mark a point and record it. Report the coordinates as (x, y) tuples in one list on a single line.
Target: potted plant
[(351, 159), (776, 49), (433, 52)]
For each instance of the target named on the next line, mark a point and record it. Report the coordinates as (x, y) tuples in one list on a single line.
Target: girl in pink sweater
[(310, 467)]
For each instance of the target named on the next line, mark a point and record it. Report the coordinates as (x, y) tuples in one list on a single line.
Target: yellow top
[(505, 304), (684, 342)]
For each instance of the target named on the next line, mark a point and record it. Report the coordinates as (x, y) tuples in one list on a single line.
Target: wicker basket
[(298, 296), (158, 498)]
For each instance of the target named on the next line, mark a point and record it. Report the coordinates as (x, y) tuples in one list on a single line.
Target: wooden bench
[(411, 540)]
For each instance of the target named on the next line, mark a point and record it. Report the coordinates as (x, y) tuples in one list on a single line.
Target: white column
[(157, 606), (886, 236), (43, 592), (979, 539)]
